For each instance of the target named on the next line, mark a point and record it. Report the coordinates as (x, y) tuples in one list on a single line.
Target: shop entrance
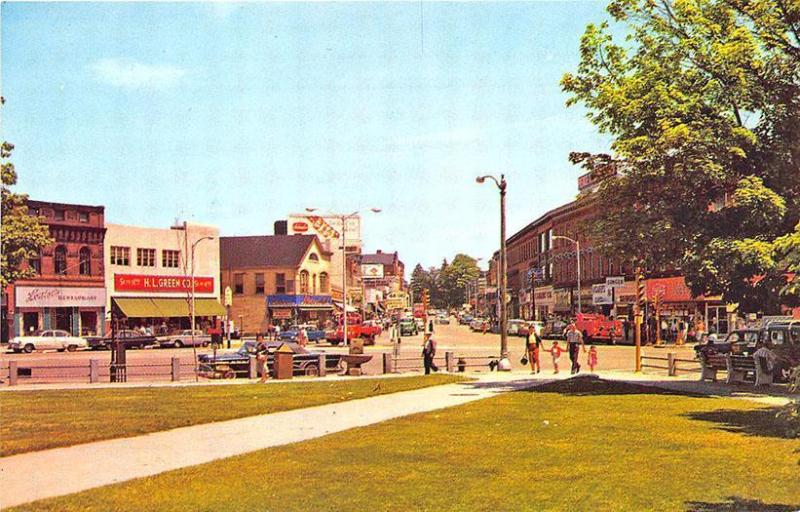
[(88, 323), (30, 322), (64, 319)]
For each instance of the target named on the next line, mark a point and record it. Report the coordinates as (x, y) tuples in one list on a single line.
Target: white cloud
[(130, 74)]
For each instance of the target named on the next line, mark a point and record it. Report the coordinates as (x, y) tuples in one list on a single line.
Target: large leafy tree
[(447, 283), (418, 280), (702, 98), (23, 236)]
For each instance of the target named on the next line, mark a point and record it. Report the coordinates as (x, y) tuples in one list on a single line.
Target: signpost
[(228, 304), (614, 282)]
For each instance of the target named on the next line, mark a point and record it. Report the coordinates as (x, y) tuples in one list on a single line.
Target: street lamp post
[(578, 256), (191, 305), (504, 364), (343, 219)]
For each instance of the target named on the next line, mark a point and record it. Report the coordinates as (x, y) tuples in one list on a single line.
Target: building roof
[(379, 258), (263, 251)]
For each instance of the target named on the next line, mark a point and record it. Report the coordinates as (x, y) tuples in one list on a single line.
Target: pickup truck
[(132, 339), (184, 339), (336, 336)]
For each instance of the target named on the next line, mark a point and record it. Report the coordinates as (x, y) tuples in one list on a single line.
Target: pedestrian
[(592, 358), (430, 326), (277, 331), (428, 353), (261, 357), (533, 347), (555, 352), (574, 344), (302, 337), (626, 325), (484, 325)]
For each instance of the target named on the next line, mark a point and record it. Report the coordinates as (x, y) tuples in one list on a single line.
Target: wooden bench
[(711, 364), (740, 369)]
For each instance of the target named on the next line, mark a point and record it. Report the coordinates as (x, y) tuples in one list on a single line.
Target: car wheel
[(178, 344), (311, 371), (229, 374), (72, 348), (28, 348), (205, 343)]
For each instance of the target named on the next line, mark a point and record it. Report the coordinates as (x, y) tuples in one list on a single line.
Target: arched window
[(313, 256), (61, 260), (323, 283), (304, 281), (86, 261)]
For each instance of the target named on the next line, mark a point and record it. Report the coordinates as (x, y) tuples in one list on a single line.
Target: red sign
[(300, 227), (162, 284), (668, 289)]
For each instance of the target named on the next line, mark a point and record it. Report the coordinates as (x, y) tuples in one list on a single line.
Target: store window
[(238, 284), (120, 255), (83, 216), (86, 261), (260, 284), (280, 283), (170, 259), (61, 260), (324, 283), (146, 257), (303, 281)]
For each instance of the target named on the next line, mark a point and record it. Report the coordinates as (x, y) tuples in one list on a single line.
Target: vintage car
[(184, 339), (47, 340), (237, 364), (312, 333), (408, 327), (131, 338), (443, 319)]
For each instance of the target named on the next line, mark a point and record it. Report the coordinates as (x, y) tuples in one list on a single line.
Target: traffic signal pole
[(637, 335)]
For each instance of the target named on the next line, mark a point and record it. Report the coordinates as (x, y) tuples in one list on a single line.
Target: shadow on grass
[(757, 422), (592, 385), (737, 504)]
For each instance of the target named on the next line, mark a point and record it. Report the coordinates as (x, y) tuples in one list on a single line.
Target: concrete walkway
[(33, 476)]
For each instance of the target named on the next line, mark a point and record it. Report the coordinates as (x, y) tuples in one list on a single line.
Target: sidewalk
[(33, 476)]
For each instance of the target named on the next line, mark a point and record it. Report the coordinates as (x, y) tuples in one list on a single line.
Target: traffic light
[(425, 299)]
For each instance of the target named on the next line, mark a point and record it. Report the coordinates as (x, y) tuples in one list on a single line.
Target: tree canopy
[(702, 99), (447, 283)]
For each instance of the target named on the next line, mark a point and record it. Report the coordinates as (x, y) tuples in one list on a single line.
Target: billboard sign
[(162, 284), (615, 281), (59, 296), (372, 270)]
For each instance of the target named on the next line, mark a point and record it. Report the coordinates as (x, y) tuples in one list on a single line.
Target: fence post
[(387, 362), (671, 364), (321, 364), (252, 370), (176, 369), (94, 371), (12, 373), (449, 362)]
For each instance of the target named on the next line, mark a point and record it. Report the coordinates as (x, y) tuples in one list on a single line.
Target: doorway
[(30, 323)]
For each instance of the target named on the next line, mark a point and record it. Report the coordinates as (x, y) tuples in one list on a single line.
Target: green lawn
[(35, 420), (585, 445)]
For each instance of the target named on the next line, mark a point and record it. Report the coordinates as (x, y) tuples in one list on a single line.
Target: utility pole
[(639, 314)]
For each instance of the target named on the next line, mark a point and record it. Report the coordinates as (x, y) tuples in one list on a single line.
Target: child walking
[(555, 351), (592, 358)]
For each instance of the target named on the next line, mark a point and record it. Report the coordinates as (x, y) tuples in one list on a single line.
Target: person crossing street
[(428, 353), (574, 345)]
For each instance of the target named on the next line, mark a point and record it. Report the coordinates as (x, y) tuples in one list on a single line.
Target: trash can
[(283, 362)]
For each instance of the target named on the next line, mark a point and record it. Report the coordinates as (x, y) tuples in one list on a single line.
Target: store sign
[(300, 227), (56, 297), (162, 284), (615, 281), (602, 294), (291, 301), (281, 313), (668, 289), (372, 271)]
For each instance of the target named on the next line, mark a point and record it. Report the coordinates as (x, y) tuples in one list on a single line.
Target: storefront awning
[(145, 307), (350, 309)]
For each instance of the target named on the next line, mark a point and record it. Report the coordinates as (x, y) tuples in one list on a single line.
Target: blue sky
[(238, 114)]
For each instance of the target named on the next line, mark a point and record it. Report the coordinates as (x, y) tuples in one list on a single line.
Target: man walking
[(262, 353), (574, 345), (428, 352)]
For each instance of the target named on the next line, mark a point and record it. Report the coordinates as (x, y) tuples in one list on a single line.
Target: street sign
[(615, 281), (228, 296), (602, 294)]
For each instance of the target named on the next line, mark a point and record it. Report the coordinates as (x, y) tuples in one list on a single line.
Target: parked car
[(420, 321), (408, 327), (131, 338), (312, 333), (336, 336), (555, 328), (184, 339), (740, 341), (443, 319), (237, 363), (47, 340), (529, 326), (465, 319), (517, 327), (477, 324), (371, 329)]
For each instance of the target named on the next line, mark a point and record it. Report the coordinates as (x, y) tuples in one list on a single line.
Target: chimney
[(379, 251), (281, 227)]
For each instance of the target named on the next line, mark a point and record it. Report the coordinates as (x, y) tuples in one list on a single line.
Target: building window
[(313, 257), (61, 260), (323, 283), (83, 216), (314, 283), (86, 261), (59, 214), (303, 281), (259, 284), (33, 212), (238, 284), (36, 263), (170, 259), (120, 255), (146, 257), (280, 283)]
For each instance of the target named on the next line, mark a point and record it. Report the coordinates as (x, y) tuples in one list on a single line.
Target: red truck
[(359, 330), (596, 327)]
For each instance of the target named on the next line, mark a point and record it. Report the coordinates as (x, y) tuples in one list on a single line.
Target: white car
[(47, 340), (184, 339)]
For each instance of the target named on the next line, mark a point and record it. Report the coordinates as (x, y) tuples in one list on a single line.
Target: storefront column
[(17, 324), (46, 319), (76, 322)]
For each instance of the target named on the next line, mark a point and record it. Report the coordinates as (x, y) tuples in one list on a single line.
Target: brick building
[(276, 279), (68, 291), (381, 273)]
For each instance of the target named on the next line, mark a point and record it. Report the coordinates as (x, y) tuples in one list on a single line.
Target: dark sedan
[(131, 338), (305, 362)]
